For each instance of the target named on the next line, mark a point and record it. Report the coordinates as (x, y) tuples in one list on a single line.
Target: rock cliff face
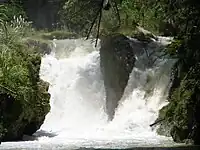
[(181, 115), (117, 60), (43, 13)]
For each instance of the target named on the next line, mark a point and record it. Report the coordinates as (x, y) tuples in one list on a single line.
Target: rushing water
[(77, 117)]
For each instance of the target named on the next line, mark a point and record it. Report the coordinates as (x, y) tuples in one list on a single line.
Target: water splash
[(77, 117), (78, 96)]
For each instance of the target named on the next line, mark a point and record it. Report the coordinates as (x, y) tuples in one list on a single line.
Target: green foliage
[(3, 10), (109, 23), (77, 15), (15, 69), (20, 87), (141, 12), (9, 10), (172, 49), (19, 65), (180, 114)]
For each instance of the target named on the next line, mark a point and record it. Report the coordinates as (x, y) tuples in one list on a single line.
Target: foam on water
[(77, 115)]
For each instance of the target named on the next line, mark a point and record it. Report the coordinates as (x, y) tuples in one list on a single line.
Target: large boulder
[(117, 61)]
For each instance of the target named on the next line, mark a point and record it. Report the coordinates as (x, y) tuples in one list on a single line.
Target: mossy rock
[(172, 49), (24, 96), (181, 115)]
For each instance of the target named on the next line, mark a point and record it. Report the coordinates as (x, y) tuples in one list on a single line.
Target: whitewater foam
[(77, 116), (78, 96)]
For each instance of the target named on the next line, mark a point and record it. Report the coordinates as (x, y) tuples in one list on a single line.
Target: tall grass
[(13, 70), (19, 77)]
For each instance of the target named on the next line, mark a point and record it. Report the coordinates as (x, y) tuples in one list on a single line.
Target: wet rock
[(117, 61), (179, 134), (42, 47), (181, 115), (39, 117)]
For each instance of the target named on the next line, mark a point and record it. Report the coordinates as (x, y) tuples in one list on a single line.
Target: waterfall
[(77, 117), (78, 96)]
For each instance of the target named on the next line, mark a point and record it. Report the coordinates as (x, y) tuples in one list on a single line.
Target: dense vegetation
[(24, 100), (182, 114), (123, 16)]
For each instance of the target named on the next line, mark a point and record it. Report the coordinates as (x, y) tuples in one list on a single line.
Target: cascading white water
[(78, 97), (77, 92), (77, 116)]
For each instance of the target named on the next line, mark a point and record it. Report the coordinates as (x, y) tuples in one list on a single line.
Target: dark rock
[(10, 110), (39, 117), (179, 134), (117, 60), (43, 13), (182, 119), (42, 47), (168, 28), (14, 121)]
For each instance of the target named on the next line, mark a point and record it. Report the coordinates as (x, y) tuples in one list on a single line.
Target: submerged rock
[(117, 60)]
